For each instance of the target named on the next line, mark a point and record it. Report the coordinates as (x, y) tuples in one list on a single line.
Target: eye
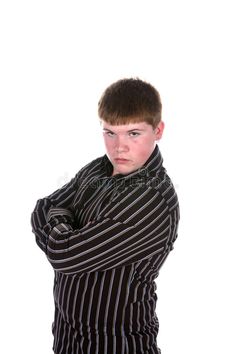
[(134, 134), (109, 133)]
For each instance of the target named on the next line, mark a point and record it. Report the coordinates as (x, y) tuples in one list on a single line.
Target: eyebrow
[(129, 131)]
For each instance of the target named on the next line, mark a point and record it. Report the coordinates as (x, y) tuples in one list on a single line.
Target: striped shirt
[(106, 238)]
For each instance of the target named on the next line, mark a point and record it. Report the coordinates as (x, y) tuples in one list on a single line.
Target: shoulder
[(143, 188), (92, 168), (162, 184)]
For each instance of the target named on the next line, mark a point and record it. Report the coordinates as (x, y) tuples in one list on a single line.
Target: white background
[(57, 57)]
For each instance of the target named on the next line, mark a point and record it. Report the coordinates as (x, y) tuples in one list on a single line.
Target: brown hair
[(130, 101)]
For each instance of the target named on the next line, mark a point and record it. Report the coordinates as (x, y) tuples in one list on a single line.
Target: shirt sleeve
[(56, 204), (131, 228)]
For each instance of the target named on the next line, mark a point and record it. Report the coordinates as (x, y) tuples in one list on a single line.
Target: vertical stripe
[(109, 295), (98, 311), (117, 300), (82, 303), (91, 298)]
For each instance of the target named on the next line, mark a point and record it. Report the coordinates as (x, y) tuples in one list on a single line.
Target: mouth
[(120, 160)]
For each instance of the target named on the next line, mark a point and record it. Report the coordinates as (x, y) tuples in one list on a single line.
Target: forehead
[(125, 127)]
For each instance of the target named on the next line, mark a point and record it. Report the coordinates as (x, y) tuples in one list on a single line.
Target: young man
[(108, 231)]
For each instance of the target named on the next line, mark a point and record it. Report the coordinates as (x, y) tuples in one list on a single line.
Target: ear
[(159, 130)]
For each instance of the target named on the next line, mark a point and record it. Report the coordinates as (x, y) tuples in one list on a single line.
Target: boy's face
[(129, 146)]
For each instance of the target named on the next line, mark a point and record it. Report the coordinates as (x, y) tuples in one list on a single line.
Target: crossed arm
[(128, 230)]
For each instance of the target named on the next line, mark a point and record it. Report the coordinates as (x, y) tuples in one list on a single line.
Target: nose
[(121, 145)]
